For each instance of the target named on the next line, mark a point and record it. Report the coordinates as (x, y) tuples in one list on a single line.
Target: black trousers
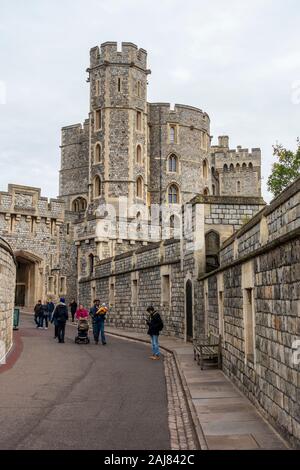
[(73, 315), (61, 332)]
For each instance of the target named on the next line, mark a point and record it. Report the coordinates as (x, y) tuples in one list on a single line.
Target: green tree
[(285, 170)]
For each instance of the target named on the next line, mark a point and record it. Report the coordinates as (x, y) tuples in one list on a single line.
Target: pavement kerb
[(197, 426)]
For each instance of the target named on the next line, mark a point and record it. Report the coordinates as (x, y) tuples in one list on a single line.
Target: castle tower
[(118, 165), (238, 170)]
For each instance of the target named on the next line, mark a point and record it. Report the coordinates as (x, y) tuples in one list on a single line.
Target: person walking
[(60, 316), (155, 325), (38, 311), (50, 308), (44, 317), (73, 307), (98, 314)]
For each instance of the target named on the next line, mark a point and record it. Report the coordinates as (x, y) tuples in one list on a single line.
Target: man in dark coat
[(60, 317), (155, 325), (38, 314), (73, 307)]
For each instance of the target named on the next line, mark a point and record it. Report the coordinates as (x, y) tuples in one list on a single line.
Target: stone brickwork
[(253, 301), (34, 228), (7, 296)]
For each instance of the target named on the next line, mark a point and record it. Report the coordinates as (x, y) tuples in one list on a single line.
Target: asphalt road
[(69, 396)]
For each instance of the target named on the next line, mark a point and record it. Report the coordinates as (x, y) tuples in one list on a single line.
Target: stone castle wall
[(129, 282), (7, 296), (255, 297)]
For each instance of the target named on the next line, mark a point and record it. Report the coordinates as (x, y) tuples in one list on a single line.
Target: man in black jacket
[(155, 325), (59, 317)]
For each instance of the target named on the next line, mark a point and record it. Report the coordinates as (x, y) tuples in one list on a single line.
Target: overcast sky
[(237, 60)]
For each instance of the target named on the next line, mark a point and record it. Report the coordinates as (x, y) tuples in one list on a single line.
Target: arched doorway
[(189, 310), (28, 282)]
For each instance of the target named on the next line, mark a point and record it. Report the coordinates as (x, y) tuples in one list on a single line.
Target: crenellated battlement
[(128, 54)]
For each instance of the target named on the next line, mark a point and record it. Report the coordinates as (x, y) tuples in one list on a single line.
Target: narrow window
[(62, 285), (139, 154), (166, 289), (238, 186), (91, 264), (98, 119), (173, 194), (32, 225), (97, 186), (249, 324), (173, 163), (206, 192), (139, 187), (213, 190), (225, 167), (139, 120), (250, 166), (119, 84), (68, 229), (97, 153), (139, 89), (231, 168), (50, 285), (172, 134), (205, 169)]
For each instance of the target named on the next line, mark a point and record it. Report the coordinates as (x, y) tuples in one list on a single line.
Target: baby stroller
[(83, 332)]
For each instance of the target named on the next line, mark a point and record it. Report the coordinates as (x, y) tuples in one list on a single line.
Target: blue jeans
[(155, 345), (98, 328)]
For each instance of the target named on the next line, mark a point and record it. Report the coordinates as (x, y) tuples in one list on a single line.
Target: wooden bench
[(207, 347)]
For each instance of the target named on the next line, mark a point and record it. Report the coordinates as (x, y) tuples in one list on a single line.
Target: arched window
[(225, 167), (97, 153), (205, 169), (238, 167), (139, 154), (97, 186), (206, 192), (173, 194), (244, 166), (231, 168), (172, 163), (79, 204), (213, 170), (250, 166), (238, 186), (139, 187)]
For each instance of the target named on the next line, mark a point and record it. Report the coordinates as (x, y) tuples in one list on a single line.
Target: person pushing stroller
[(82, 316)]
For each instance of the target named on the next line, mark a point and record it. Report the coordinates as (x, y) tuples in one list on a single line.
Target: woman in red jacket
[(81, 313)]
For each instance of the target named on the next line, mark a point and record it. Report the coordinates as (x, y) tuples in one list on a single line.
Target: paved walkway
[(224, 418), (68, 396)]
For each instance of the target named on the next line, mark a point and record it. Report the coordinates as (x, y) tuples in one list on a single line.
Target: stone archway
[(28, 279)]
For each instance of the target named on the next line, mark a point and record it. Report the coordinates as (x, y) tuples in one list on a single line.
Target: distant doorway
[(189, 310), (27, 279)]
